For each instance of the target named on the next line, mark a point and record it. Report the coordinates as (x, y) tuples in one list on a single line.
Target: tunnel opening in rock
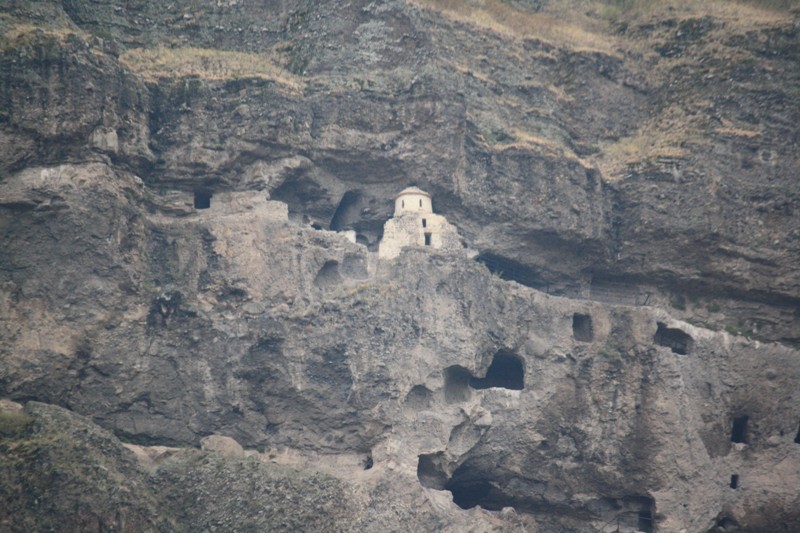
[(676, 340), (431, 472), (739, 429), (456, 384), (202, 199), (734, 481), (797, 437), (582, 329), (346, 212), (419, 397), (510, 270), (506, 371), (328, 276)]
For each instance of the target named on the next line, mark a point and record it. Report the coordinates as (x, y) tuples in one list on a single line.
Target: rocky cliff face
[(174, 186)]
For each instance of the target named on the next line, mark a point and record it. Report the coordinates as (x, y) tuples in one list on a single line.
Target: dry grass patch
[(158, 63), (15, 32), (505, 19)]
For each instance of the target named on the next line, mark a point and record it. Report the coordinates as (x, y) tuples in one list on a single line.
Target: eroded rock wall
[(167, 269)]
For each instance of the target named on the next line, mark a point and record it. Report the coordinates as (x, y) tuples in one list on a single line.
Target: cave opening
[(346, 212), (734, 481), (506, 371), (676, 340), (510, 270), (739, 429), (202, 199), (470, 487), (368, 462), (582, 329), (468, 494), (328, 275), (797, 437), (431, 472), (456, 384)]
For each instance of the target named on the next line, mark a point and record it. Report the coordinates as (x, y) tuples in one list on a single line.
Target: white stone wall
[(248, 202), (407, 230)]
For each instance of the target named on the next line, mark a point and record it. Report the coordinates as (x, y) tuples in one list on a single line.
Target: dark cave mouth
[(468, 490), (511, 270), (506, 371), (678, 341), (471, 486), (582, 328)]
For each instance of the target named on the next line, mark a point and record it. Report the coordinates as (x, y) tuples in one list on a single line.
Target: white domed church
[(415, 225)]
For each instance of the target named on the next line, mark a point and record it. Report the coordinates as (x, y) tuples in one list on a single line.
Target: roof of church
[(412, 190)]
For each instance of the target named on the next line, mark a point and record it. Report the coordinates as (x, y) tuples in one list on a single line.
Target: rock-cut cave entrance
[(676, 340), (506, 371), (346, 212), (739, 429), (511, 270), (470, 487), (582, 329)]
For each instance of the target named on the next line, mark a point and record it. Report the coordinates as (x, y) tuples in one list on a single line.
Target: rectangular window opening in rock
[(202, 200), (739, 429), (735, 481), (427, 239), (797, 437), (582, 329), (424, 223)]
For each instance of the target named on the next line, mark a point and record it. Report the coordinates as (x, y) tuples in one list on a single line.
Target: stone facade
[(415, 224)]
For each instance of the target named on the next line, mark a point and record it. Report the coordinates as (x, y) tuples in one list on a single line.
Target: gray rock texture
[(176, 182)]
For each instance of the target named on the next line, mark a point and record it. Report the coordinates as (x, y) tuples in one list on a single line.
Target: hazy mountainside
[(632, 165)]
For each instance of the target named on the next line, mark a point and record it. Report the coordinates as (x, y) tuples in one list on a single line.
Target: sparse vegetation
[(207, 64), (13, 423), (510, 21)]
